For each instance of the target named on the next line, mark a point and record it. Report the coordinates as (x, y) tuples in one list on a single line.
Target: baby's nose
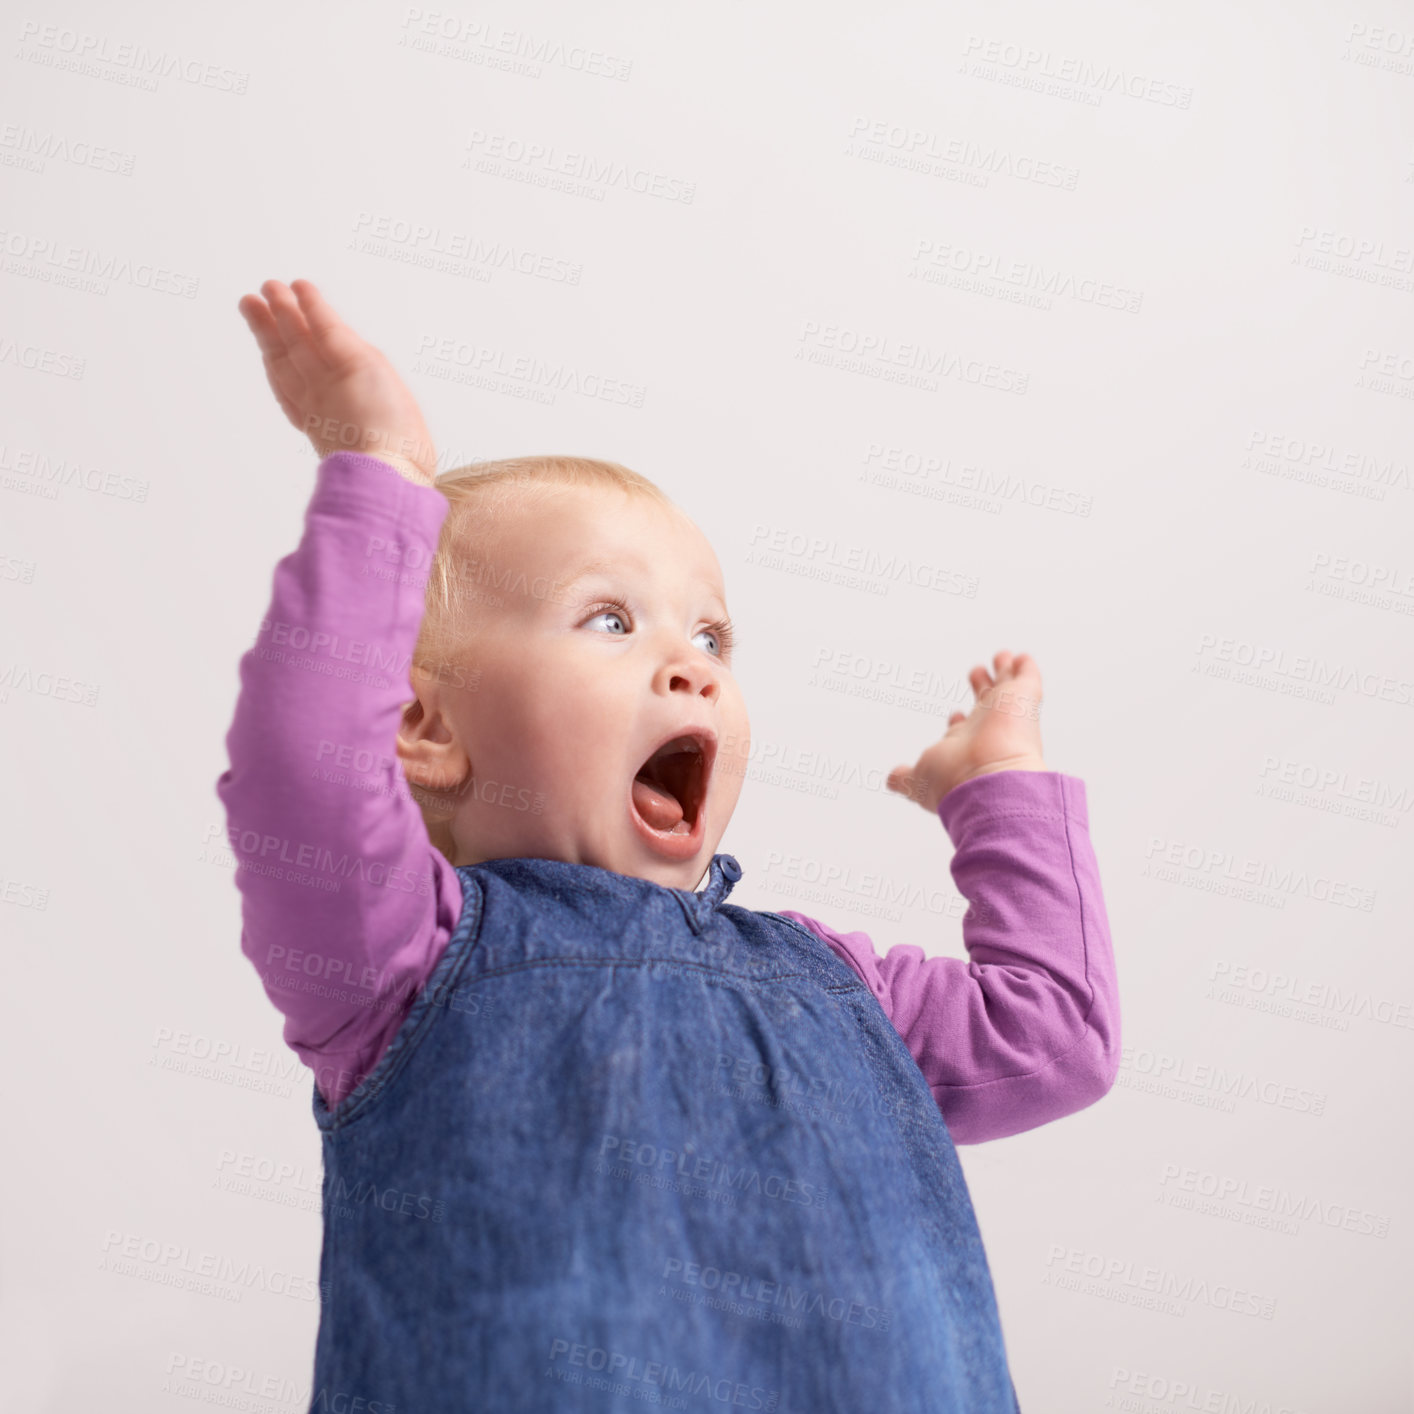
[(695, 679)]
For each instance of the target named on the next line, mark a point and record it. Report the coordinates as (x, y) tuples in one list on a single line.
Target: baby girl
[(592, 1139)]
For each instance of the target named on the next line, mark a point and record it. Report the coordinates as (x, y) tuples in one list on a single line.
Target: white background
[(1123, 296)]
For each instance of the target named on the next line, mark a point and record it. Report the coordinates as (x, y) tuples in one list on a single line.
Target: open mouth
[(670, 787)]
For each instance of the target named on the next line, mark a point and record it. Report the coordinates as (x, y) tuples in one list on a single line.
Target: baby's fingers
[(261, 323), (284, 379), (1024, 666), (903, 781), (299, 343), (980, 679), (336, 342), (1008, 665)]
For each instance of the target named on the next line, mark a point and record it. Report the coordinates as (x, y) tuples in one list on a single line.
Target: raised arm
[(1027, 1029), (346, 906)]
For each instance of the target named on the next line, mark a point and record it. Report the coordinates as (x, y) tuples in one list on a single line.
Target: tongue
[(660, 809)]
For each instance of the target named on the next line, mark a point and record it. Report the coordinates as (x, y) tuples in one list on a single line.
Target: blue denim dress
[(635, 1146)]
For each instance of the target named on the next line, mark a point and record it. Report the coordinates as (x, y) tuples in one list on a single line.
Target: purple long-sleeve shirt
[(347, 906)]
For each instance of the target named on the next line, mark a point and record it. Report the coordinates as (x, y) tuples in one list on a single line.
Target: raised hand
[(332, 385), (1002, 733)]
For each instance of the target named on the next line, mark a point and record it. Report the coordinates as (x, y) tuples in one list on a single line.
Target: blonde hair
[(462, 588)]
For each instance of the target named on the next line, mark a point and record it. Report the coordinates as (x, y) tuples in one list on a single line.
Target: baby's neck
[(440, 833)]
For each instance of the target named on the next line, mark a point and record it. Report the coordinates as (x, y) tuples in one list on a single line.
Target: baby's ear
[(435, 763)]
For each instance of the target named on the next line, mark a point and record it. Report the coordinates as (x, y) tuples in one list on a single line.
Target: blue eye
[(725, 634), (609, 614)]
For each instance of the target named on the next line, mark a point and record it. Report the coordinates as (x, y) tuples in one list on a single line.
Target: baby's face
[(574, 694)]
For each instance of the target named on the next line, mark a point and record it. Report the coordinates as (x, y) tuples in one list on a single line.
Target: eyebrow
[(588, 567), (604, 565)]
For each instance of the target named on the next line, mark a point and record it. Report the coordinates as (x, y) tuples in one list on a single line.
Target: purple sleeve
[(346, 906), (1027, 1029)]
